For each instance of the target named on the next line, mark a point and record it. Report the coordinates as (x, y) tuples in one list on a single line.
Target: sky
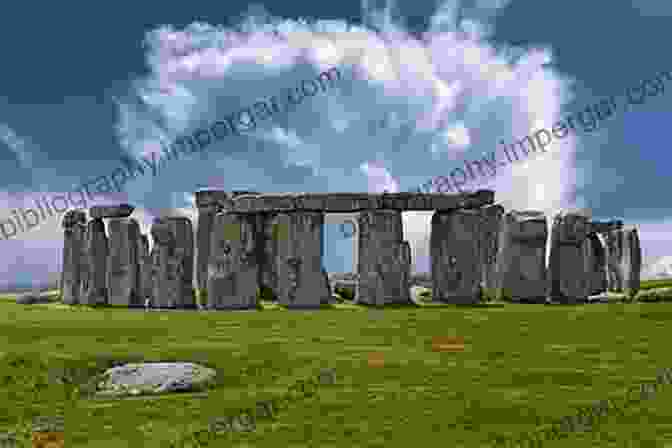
[(425, 85)]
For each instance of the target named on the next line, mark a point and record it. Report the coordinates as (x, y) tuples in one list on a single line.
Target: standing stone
[(631, 264), (206, 216), (98, 250), (173, 275), (598, 264), (184, 250), (233, 268), (520, 275), (74, 225), (492, 217), (209, 203), (123, 270), (569, 271), (455, 251), (85, 267), (145, 261), (331, 299), (267, 225), (614, 248), (166, 267), (299, 271), (383, 263)]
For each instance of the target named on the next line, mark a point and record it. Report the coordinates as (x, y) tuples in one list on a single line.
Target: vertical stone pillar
[(614, 249), (206, 216), (173, 285), (383, 264), (598, 265), (166, 266), (145, 261), (267, 238), (85, 267), (455, 252), (520, 273), (74, 225), (492, 217), (299, 246), (210, 203), (233, 269), (631, 265), (98, 250), (123, 270), (568, 267)]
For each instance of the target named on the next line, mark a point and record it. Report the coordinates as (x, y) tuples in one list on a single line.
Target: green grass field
[(523, 365)]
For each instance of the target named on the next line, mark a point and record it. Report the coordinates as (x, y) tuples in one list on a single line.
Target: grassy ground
[(650, 284), (522, 365)]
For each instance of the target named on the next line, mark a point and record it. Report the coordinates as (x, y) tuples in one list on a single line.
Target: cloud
[(450, 91)]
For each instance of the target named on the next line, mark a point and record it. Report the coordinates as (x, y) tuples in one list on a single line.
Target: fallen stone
[(111, 211), (420, 294), (32, 298), (154, 378)]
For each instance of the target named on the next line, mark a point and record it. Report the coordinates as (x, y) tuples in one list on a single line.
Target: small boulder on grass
[(420, 294), (32, 298), (154, 378)]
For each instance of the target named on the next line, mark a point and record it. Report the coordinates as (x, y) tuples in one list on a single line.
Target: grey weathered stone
[(173, 263), (146, 268), (569, 272), (614, 251), (233, 270), (492, 217), (384, 259), (598, 264), (33, 298), (74, 225), (355, 202), (455, 251), (266, 228), (111, 211), (330, 299), (299, 247), (520, 273), (209, 203), (184, 238), (154, 378), (631, 262), (420, 294), (123, 269), (97, 252), (85, 267)]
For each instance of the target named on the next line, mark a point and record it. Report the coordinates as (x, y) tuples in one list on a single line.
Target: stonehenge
[(247, 242)]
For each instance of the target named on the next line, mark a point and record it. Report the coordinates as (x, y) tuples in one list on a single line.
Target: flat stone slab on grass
[(32, 298), (154, 378)]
